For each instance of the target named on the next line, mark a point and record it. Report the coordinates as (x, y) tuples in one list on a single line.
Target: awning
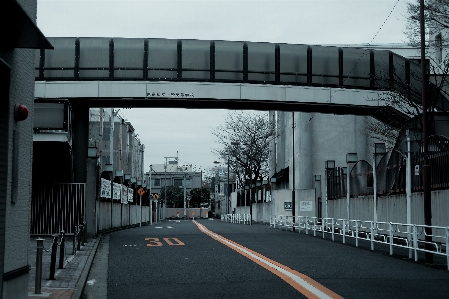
[(281, 175), (18, 30)]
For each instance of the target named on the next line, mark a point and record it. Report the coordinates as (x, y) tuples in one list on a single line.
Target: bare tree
[(407, 98), (436, 18), (244, 141)]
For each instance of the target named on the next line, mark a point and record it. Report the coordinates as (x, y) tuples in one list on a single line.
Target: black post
[(293, 170), (61, 251), (54, 249), (426, 165), (75, 233), (78, 239)]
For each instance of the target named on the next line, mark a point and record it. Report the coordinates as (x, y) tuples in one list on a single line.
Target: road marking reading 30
[(156, 242)]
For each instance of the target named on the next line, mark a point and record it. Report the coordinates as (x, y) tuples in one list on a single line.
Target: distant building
[(171, 174), (222, 186)]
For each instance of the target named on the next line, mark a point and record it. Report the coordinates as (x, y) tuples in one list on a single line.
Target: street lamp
[(317, 179), (109, 169), (379, 150), (150, 196), (350, 158)]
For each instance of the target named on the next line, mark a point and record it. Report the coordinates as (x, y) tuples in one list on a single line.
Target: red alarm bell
[(20, 112)]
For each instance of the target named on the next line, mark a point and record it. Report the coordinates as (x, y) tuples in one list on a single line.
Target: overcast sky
[(166, 131)]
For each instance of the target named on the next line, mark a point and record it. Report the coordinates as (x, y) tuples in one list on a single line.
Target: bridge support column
[(80, 129)]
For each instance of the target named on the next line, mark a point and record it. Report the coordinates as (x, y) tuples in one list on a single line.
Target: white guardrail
[(236, 218), (406, 236)]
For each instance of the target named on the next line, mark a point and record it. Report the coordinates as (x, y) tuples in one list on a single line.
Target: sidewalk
[(70, 280)]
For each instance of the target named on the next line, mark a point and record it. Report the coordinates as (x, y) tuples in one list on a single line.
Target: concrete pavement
[(69, 281)]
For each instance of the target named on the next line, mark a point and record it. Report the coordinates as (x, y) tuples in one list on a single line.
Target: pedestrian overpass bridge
[(138, 72)]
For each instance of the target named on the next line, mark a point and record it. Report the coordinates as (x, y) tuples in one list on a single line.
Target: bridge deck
[(279, 68)]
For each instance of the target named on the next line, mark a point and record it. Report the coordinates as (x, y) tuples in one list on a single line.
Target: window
[(155, 182), (179, 183)]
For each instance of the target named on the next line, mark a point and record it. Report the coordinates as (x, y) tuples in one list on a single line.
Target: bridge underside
[(233, 96)]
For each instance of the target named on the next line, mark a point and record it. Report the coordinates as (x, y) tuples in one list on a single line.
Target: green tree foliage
[(199, 196), (172, 196)]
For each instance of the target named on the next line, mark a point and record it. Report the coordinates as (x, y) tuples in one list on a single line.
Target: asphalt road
[(178, 260)]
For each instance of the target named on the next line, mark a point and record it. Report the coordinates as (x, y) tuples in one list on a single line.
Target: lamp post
[(92, 154), (150, 196), (108, 168), (317, 179), (119, 175), (350, 158), (329, 164), (133, 181), (425, 133), (127, 178), (165, 177), (185, 196), (379, 149)]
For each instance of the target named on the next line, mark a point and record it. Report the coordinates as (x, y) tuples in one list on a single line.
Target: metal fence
[(57, 207), (411, 237)]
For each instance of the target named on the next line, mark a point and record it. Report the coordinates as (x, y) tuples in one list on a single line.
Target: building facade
[(305, 141), (170, 174), (21, 36)]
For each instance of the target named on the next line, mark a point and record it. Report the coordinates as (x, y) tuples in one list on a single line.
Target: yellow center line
[(302, 283)]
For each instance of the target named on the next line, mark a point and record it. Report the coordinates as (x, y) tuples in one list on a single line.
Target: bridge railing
[(411, 237)]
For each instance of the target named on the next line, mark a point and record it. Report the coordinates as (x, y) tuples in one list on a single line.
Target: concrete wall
[(389, 208), (16, 225), (123, 215), (263, 210), (393, 208), (318, 137), (191, 212)]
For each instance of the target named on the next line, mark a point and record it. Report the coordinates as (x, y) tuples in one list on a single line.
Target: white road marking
[(91, 282)]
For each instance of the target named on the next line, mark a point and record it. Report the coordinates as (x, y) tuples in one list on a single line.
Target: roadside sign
[(288, 205), (141, 191)]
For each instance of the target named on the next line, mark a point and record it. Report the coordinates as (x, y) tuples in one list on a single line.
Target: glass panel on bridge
[(324, 65), (381, 68), (162, 59), (196, 59), (94, 58), (293, 64), (261, 62), (228, 61), (60, 62), (400, 81), (356, 67), (128, 58)]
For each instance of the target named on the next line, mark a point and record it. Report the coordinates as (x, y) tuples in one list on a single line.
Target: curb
[(79, 287)]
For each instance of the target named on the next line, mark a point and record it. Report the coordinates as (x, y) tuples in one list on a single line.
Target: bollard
[(38, 280), (80, 232), (74, 240), (54, 249), (61, 251), (85, 233)]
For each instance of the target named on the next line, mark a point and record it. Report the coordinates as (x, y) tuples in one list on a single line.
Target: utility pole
[(293, 169), (425, 133)]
